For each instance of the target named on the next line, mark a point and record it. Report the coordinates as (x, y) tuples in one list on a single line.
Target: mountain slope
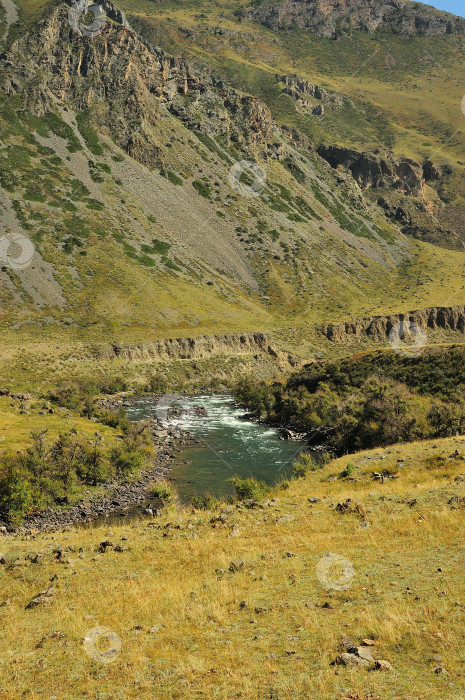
[(123, 166), (384, 90), (330, 18)]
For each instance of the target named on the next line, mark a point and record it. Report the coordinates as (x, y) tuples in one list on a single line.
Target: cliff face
[(378, 328), (131, 81), (327, 18), (196, 348), (377, 169)]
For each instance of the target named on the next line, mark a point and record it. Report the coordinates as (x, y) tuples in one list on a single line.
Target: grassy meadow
[(245, 614)]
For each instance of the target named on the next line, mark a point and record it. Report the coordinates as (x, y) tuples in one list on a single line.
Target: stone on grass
[(286, 518), (346, 659), (42, 598), (361, 652)]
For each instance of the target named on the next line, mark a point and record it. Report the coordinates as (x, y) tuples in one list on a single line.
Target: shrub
[(203, 189), (114, 419), (348, 471), (303, 465), (126, 461), (172, 177), (284, 484), (248, 488), (18, 496), (164, 491), (92, 467), (83, 120), (206, 502)]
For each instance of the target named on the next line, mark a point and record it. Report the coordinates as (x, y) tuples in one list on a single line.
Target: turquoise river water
[(228, 446)]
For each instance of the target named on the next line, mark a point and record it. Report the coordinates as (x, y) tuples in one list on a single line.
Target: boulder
[(347, 659)]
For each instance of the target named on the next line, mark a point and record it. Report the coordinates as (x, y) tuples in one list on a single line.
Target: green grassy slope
[(406, 92), (130, 252)]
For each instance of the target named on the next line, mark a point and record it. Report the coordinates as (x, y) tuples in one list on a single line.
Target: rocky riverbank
[(118, 496)]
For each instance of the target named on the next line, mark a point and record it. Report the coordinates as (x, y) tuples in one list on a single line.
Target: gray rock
[(42, 598), (285, 518), (361, 652), (346, 659)]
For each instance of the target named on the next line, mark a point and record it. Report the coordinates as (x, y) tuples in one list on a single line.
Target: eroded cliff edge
[(196, 348), (450, 318)]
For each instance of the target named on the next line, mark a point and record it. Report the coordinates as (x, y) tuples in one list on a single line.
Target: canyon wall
[(194, 348), (450, 318)]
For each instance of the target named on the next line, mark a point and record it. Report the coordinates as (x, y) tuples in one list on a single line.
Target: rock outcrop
[(331, 18), (309, 97), (377, 169), (128, 83), (194, 348), (378, 328)]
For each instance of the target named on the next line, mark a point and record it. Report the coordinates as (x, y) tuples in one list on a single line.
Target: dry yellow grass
[(407, 592)]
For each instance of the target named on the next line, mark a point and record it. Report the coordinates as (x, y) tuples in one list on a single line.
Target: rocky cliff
[(302, 91), (195, 348), (377, 169), (330, 18), (131, 81), (398, 186), (378, 328)]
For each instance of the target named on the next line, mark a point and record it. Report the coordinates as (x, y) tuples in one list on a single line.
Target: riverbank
[(117, 496), (217, 440), (270, 600)]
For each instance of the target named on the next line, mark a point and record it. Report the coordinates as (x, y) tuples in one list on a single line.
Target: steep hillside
[(394, 87), (162, 202)]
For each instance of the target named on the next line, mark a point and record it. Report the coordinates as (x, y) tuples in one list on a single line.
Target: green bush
[(160, 247), (206, 502), (164, 491), (172, 177), (18, 495), (348, 471), (126, 461), (83, 120), (303, 466), (203, 189), (248, 488)]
